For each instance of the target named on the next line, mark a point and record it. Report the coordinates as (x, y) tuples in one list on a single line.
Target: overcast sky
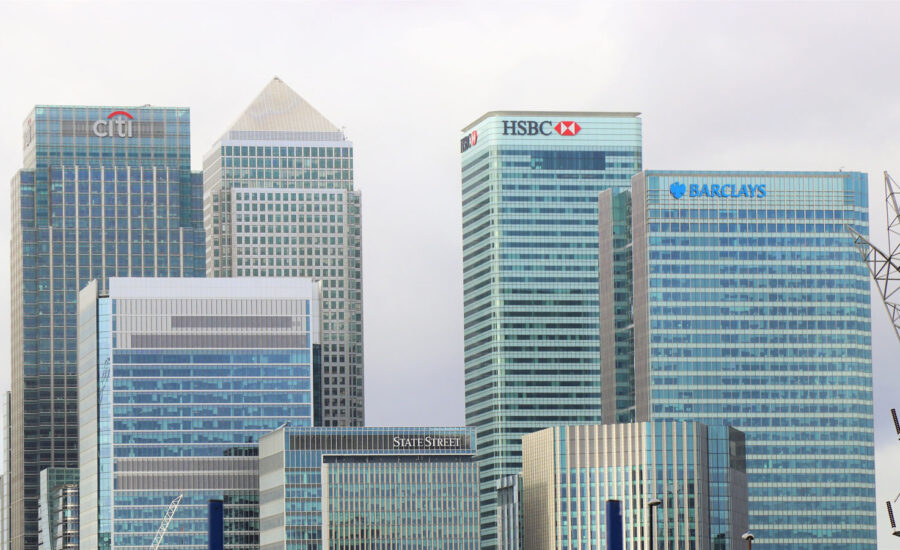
[(800, 86)]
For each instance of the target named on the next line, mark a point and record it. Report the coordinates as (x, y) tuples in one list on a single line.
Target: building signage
[(540, 128), (725, 191), (467, 142), (427, 442), (29, 133), (117, 124)]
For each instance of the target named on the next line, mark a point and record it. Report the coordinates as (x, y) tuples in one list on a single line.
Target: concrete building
[(350, 488), (279, 201), (103, 191), (530, 182), (569, 472), (178, 379)]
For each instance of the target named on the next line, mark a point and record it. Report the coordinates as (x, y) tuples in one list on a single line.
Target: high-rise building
[(530, 182), (349, 487), (58, 509), (104, 191), (616, 299), (178, 379), (751, 309), (279, 201), (569, 472)]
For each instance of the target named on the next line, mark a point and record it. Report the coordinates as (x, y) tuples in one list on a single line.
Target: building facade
[(58, 509), (347, 488), (178, 380), (104, 191), (569, 472), (752, 309), (616, 306), (530, 182), (279, 202), (509, 513)]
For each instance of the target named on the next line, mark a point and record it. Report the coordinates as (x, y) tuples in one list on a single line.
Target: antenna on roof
[(896, 422)]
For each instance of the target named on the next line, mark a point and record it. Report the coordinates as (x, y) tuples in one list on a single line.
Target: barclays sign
[(725, 191)]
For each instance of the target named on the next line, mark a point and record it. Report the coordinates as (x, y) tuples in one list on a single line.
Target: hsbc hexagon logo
[(567, 128), (469, 141)]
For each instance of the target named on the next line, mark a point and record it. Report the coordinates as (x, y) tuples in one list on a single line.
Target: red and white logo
[(567, 128), (468, 142)]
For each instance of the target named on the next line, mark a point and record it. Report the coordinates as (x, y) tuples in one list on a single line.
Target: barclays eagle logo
[(677, 190)]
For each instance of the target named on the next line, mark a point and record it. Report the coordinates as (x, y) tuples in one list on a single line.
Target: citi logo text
[(117, 124), (542, 128)]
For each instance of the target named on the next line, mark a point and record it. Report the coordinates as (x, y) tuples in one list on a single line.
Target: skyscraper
[(103, 191), (279, 201), (530, 182), (178, 379), (751, 309)]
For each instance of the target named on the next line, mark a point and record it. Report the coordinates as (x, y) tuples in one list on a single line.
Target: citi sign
[(117, 124), (540, 128), (726, 191)]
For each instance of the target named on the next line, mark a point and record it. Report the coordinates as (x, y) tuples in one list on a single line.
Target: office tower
[(279, 201), (58, 509), (569, 472), (103, 191), (751, 309), (616, 316), (178, 379), (349, 487), (530, 182)]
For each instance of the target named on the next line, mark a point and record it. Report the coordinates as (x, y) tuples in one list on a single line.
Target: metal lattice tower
[(164, 526), (885, 270), (885, 267)]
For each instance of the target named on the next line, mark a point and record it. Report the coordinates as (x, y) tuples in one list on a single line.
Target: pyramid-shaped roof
[(278, 108)]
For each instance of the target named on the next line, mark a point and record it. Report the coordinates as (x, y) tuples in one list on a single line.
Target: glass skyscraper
[(104, 191), (279, 202), (347, 488), (530, 182), (751, 309), (178, 379)]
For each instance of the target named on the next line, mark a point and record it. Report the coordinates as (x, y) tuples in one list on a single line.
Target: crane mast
[(164, 526)]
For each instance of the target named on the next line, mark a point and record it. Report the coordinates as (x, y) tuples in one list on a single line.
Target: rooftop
[(554, 114), (278, 108)]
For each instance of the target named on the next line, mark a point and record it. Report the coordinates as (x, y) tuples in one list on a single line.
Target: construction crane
[(895, 531), (884, 266), (164, 526)]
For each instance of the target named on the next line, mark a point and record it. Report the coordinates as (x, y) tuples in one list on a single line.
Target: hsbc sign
[(468, 142), (540, 128)]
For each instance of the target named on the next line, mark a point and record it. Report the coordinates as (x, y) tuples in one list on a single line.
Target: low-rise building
[(346, 488)]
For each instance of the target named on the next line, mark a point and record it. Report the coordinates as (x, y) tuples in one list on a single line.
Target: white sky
[(800, 86)]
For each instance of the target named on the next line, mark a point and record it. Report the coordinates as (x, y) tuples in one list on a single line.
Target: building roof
[(624, 114), (278, 108)]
